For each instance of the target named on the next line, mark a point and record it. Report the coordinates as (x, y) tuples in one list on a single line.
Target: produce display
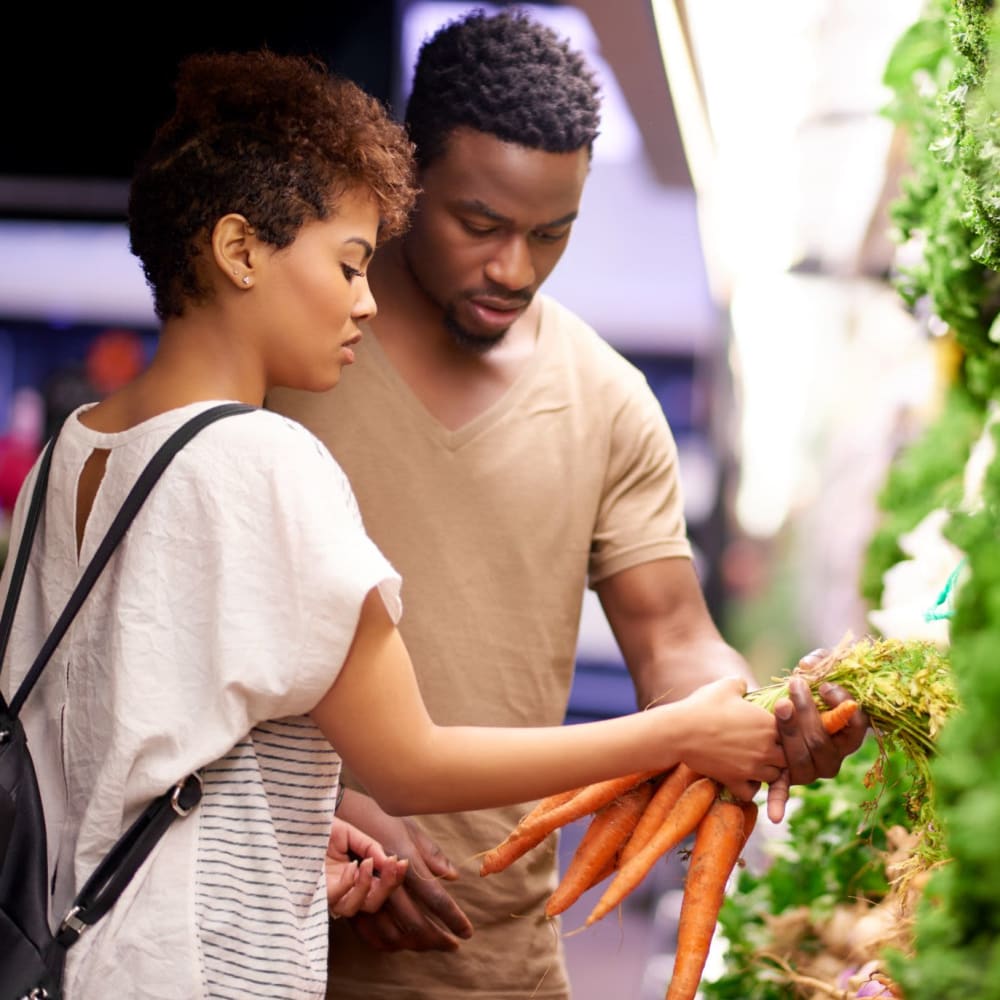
[(814, 913), (905, 903), (635, 820), (884, 880)]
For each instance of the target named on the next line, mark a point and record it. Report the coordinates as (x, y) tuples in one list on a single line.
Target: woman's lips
[(347, 349)]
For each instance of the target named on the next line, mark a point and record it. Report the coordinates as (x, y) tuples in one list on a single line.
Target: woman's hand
[(421, 915), (360, 876), (729, 738)]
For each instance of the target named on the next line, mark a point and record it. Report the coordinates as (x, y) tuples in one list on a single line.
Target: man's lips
[(499, 305), (497, 313)]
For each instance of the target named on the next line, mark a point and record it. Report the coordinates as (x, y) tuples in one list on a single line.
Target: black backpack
[(31, 955)]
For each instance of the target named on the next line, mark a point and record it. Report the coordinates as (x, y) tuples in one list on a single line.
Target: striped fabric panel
[(260, 893)]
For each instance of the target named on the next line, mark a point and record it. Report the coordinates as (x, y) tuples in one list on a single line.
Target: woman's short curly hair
[(276, 138), (507, 75)]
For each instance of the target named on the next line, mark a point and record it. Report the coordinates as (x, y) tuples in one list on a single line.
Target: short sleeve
[(641, 513), (297, 541)]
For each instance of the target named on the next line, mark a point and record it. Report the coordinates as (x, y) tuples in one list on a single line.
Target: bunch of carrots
[(636, 820)]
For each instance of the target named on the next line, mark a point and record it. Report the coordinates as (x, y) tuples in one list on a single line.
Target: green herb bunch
[(907, 690), (943, 81)]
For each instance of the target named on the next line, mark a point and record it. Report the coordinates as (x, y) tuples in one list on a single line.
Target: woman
[(246, 626)]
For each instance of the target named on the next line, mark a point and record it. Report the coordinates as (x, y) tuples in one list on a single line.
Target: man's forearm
[(676, 672)]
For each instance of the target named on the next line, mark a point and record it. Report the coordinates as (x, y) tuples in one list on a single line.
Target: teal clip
[(944, 605)]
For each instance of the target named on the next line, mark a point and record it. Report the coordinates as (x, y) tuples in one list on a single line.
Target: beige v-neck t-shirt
[(496, 528)]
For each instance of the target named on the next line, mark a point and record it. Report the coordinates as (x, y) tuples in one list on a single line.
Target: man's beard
[(471, 342)]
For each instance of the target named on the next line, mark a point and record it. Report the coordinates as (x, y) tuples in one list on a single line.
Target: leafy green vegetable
[(949, 197), (925, 476), (957, 931)]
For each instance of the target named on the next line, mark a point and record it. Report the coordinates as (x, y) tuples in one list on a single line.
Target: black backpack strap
[(20, 564), (118, 866), (123, 518)]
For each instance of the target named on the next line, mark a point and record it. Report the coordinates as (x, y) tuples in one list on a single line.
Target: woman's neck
[(192, 364)]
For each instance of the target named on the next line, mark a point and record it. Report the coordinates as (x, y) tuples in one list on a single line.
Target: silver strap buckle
[(175, 799), (71, 922)]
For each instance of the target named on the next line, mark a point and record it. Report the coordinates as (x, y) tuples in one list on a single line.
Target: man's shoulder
[(585, 342)]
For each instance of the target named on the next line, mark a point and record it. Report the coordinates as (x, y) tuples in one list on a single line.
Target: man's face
[(491, 223)]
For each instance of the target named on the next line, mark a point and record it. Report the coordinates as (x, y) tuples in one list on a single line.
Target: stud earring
[(235, 271), (246, 279)]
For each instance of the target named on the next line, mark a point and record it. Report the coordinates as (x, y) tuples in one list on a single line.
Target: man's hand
[(420, 915), (360, 876), (811, 752)]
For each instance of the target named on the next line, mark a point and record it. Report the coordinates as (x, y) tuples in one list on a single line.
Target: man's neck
[(454, 383)]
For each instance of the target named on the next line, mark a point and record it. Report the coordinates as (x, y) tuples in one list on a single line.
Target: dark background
[(80, 98)]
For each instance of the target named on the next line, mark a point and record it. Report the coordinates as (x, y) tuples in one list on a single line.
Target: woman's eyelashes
[(350, 273)]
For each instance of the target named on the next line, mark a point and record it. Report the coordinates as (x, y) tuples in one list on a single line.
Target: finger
[(777, 797), (744, 791), (797, 754), (419, 926), (339, 880), (389, 878), (808, 748), (352, 900), (853, 734), (812, 657), (377, 930), (823, 751), (833, 694), (436, 864), (433, 898)]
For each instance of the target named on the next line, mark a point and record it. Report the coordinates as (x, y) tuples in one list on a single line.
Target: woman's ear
[(234, 245)]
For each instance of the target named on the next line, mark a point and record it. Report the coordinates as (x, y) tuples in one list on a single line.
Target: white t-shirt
[(186, 655)]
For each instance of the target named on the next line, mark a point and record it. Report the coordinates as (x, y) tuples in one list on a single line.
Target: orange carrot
[(609, 829), (834, 719), (548, 803), (608, 869), (717, 847), (683, 819), (664, 799), (531, 832)]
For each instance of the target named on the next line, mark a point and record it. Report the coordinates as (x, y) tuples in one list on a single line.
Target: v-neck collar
[(493, 414)]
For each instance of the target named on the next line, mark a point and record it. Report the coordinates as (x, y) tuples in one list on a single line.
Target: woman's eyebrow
[(363, 243)]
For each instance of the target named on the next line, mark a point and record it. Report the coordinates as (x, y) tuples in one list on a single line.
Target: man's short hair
[(506, 75)]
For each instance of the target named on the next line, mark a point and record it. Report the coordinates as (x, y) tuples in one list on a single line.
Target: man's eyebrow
[(481, 208)]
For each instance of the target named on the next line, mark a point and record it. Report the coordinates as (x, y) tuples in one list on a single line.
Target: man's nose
[(511, 266)]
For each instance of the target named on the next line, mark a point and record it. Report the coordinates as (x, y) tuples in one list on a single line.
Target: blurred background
[(733, 242)]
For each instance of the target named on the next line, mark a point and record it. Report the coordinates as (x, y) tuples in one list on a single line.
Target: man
[(504, 457)]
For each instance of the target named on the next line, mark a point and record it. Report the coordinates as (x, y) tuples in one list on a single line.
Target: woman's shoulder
[(283, 451), (282, 439)]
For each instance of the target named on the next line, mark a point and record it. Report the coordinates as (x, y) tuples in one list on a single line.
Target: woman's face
[(313, 294)]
